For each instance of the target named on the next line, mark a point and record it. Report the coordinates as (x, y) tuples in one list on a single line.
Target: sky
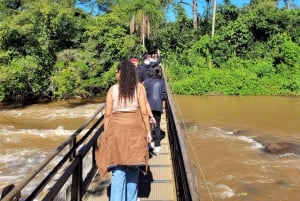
[(202, 6)]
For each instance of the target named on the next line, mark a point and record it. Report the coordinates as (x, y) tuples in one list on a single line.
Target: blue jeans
[(124, 183)]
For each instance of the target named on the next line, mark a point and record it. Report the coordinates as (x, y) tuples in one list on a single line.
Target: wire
[(194, 154)]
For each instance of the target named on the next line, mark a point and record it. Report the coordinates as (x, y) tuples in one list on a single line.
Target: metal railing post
[(76, 189)]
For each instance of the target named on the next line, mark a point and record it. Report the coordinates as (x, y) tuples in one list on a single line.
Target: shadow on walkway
[(144, 185)]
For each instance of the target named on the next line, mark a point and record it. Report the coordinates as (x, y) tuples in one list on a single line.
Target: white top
[(131, 105)]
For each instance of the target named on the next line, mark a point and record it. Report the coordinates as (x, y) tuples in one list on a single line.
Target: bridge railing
[(186, 187), (72, 167)]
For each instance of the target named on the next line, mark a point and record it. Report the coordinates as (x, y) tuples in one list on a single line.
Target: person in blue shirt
[(156, 96)]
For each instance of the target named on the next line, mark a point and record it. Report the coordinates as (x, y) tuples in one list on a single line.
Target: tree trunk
[(195, 15), (143, 31), (214, 18), (194, 11), (288, 4)]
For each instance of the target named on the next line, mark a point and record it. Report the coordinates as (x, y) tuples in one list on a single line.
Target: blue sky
[(202, 5)]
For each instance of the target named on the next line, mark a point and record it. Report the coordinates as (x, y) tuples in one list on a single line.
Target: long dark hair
[(127, 82)]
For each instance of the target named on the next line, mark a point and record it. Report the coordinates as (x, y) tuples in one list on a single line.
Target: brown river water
[(225, 137)]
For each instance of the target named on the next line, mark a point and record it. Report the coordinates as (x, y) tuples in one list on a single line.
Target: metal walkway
[(157, 185), (70, 173)]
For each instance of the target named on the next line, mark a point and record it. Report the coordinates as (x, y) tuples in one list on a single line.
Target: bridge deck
[(157, 185)]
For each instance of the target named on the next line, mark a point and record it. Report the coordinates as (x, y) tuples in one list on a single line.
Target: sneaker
[(157, 149)]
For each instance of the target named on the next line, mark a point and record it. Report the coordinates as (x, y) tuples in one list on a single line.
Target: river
[(224, 136)]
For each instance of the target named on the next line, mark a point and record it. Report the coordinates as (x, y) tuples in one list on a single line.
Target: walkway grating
[(157, 185)]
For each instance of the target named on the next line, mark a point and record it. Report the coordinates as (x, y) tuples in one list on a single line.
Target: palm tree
[(143, 13), (140, 22), (140, 13)]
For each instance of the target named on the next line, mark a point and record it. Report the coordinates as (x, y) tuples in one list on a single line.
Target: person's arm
[(143, 107), (152, 119), (149, 111), (108, 108)]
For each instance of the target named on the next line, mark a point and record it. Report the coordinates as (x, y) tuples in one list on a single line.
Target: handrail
[(185, 180), (71, 141)]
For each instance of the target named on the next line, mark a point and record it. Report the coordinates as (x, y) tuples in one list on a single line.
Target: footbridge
[(70, 172)]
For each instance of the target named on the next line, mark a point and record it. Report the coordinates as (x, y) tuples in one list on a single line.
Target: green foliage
[(74, 74), (293, 24), (288, 55), (110, 40), (49, 49), (176, 37), (225, 15), (21, 80), (234, 40), (68, 83), (252, 54), (235, 82)]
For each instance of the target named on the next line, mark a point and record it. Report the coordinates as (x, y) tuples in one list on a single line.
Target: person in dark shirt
[(147, 66), (156, 96), (135, 62)]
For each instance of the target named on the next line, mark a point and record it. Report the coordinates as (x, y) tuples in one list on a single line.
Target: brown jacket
[(124, 142)]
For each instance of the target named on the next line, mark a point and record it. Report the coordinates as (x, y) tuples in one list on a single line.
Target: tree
[(140, 21), (287, 3), (21, 81), (214, 18), (264, 2), (105, 5), (194, 10), (214, 10), (195, 16), (143, 14)]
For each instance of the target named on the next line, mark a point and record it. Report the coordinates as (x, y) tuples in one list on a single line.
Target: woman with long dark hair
[(124, 144)]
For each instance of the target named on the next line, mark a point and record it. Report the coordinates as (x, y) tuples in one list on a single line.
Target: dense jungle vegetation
[(51, 49)]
